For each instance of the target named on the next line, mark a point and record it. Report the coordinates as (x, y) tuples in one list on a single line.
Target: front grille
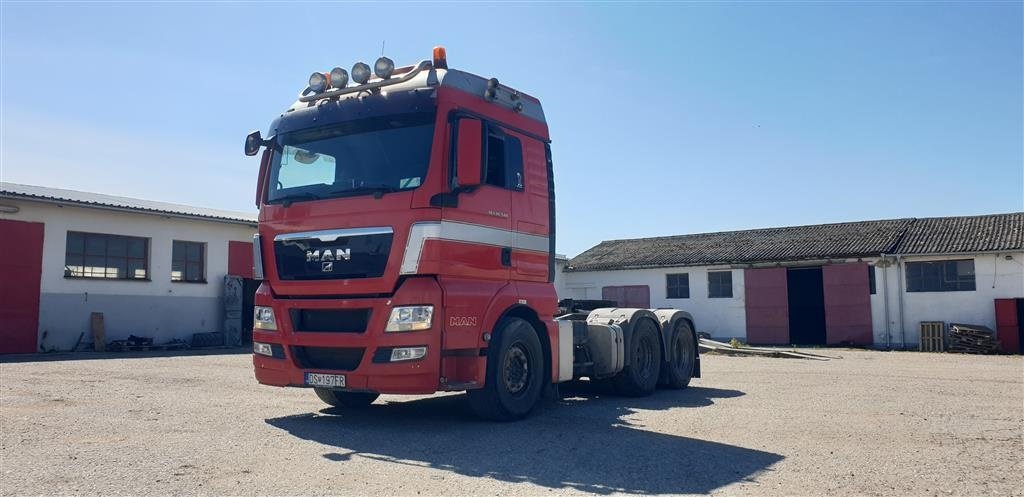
[(333, 358), (346, 257), (330, 320)]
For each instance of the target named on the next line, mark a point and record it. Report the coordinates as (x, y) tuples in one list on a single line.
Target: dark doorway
[(806, 306)]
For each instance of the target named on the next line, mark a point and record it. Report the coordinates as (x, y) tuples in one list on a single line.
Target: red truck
[(406, 246)]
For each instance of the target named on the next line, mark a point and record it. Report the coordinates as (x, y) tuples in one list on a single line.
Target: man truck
[(406, 245)]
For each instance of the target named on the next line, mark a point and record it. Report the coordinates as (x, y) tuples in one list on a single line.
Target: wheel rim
[(645, 357), (517, 369)]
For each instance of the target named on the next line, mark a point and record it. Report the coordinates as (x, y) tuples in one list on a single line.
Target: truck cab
[(406, 241)]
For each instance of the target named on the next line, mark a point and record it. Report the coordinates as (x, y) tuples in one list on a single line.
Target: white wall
[(995, 277), (158, 308), (723, 318)]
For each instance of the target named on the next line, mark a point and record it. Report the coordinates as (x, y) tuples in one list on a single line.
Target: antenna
[(382, 47)]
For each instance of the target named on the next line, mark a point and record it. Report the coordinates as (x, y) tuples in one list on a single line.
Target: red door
[(1007, 325), (240, 259), (767, 302), (634, 296), (847, 304), (21, 244)]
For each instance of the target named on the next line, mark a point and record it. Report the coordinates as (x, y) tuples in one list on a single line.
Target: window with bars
[(101, 256), (941, 276), (188, 262), (720, 284), (677, 286)]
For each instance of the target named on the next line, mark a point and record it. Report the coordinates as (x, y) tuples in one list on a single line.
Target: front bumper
[(361, 356)]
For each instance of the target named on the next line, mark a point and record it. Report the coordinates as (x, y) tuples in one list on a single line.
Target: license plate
[(325, 380)]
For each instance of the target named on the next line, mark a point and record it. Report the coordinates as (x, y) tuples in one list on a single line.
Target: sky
[(665, 118)]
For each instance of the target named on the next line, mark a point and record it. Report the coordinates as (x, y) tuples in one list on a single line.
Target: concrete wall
[(995, 277), (723, 318), (158, 308)]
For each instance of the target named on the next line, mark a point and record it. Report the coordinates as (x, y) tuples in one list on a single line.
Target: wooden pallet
[(933, 336)]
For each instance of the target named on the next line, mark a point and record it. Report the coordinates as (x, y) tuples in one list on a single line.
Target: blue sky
[(665, 119)]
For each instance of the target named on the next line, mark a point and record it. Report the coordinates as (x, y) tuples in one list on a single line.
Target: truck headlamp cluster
[(317, 82), (360, 73), (263, 318), (384, 68), (339, 78), (410, 318)]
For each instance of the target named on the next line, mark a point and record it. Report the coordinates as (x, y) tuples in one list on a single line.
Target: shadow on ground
[(584, 442)]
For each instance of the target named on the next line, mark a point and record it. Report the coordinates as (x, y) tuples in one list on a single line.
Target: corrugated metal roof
[(813, 242), (99, 200), (964, 234)]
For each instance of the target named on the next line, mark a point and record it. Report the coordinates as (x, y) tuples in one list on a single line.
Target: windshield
[(377, 155)]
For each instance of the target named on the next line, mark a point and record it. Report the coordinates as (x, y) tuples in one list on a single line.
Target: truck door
[(531, 210), (477, 232)]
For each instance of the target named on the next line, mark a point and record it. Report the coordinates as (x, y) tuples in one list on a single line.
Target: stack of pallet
[(972, 339)]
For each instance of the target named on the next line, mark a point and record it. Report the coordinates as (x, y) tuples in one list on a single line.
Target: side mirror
[(469, 154), (261, 185), (253, 142)]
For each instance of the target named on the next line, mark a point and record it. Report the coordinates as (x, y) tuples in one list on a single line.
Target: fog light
[(360, 73), (408, 354), (263, 349), (317, 82), (339, 77), (384, 67)]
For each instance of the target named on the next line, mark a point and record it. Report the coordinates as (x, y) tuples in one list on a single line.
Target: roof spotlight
[(360, 73), (339, 77), (317, 82), (384, 67)]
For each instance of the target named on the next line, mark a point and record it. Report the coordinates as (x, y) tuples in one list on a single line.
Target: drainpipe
[(885, 301), (899, 277)]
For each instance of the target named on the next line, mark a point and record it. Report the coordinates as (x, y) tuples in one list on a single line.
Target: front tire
[(643, 362), (351, 400), (515, 373)]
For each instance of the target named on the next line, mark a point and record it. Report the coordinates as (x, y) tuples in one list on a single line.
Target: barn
[(865, 283), (153, 269)]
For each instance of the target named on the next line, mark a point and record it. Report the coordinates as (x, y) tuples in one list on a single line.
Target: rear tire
[(682, 357), (351, 400), (643, 362), (515, 373)]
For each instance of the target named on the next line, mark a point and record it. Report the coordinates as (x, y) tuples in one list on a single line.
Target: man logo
[(329, 255), (327, 267)]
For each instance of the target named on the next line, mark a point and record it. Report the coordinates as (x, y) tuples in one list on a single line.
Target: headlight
[(263, 318), (410, 318)]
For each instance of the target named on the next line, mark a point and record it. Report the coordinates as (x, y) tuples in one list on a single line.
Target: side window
[(504, 166)]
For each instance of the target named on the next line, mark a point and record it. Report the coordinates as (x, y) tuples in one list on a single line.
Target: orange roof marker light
[(440, 58)]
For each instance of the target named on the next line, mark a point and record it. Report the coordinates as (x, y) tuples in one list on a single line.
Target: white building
[(860, 283), (153, 269)]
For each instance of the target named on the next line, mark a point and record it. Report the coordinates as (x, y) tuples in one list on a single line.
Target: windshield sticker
[(409, 182)]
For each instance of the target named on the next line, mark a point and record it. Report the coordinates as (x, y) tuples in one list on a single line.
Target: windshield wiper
[(288, 199), (377, 190)]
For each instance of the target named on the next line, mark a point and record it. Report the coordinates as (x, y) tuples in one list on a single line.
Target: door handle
[(506, 256)]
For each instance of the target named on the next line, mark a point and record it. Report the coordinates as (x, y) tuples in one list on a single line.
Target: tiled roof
[(964, 234), (41, 193), (814, 242)]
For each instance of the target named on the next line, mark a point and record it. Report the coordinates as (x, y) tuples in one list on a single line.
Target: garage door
[(21, 266), (765, 292), (847, 304), (637, 296)]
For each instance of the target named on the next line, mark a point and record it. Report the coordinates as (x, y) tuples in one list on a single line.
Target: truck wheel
[(515, 373), (682, 356), (643, 362), (339, 398)]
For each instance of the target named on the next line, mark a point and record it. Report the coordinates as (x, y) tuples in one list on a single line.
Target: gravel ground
[(875, 423)]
